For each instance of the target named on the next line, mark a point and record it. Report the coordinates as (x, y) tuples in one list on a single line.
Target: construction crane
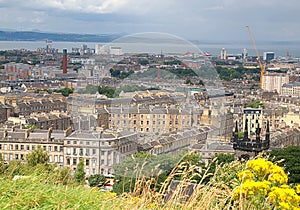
[(261, 65)]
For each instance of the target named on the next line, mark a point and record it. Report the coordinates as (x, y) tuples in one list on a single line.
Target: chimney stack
[(65, 60)]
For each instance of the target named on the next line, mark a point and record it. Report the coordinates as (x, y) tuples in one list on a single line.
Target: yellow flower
[(298, 189), (284, 205), (260, 166), (244, 175)]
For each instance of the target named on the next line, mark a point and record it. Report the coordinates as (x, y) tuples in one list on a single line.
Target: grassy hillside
[(256, 184)]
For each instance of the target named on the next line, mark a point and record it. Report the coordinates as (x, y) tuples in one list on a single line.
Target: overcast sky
[(214, 20)]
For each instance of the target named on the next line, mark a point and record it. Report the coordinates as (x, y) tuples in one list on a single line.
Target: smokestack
[(65, 60)]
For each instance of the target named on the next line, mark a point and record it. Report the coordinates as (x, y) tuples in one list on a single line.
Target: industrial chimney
[(65, 60)]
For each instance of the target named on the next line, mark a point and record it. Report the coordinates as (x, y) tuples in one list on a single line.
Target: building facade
[(101, 150)]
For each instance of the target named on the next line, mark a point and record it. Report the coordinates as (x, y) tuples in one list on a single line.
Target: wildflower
[(298, 189), (246, 174), (260, 166)]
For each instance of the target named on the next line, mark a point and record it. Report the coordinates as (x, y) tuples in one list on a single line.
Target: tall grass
[(44, 187)]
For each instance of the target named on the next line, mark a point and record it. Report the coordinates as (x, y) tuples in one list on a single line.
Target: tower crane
[(261, 65)]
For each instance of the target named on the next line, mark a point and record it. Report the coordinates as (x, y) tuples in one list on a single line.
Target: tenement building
[(101, 150), (16, 143)]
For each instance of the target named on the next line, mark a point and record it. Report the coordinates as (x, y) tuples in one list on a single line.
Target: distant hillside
[(38, 36)]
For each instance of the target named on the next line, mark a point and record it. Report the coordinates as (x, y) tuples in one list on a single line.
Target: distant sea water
[(280, 49)]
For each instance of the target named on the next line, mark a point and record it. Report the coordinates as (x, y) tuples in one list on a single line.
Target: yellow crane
[(261, 65)]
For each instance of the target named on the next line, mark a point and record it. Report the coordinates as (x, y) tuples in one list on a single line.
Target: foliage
[(256, 104), (33, 192), (291, 163), (171, 63), (65, 91), (120, 74), (241, 135), (229, 74), (182, 73), (96, 180), (108, 91), (264, 184), (31, 126), (79, 175), (143, 62), (36, 157), (90, 89)]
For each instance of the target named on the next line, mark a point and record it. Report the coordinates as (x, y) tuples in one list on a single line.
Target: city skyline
[(223, 20)]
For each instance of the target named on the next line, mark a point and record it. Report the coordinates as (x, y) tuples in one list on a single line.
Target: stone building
[(16, 143), (175, 142), (101, 150)]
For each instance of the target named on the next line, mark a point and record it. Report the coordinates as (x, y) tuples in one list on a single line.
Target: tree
[(255, 104), (291, 163), (66, 91), (36, 157), (79, 174), (96, 180)]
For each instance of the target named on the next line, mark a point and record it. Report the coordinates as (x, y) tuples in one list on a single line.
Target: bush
[(96, 180), (79, 175), (36, 157)]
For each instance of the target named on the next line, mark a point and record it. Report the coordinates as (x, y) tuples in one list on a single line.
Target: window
[(50, 148), (87, 143), (22, 147), (68, 151), (94, 151), (5, 146), (61, 149), (74, 151), (74, 142), (55, 158), (17, 147), (61, 159), (50, 159), (68, 142), (27, 147), (0, 146), (11, 147), (68, 162), (44, 148), (33, 147), (74, 161), (80, 151), (87, 162), (55, 148), (11, 156)]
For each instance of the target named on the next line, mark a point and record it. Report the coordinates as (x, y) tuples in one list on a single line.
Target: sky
[(209, 20)]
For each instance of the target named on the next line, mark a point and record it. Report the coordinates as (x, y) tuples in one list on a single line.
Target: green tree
[(38, 156), (96, 180), (256, 104), (79, 175), (108, 91), (291, 162), (66, 91)]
